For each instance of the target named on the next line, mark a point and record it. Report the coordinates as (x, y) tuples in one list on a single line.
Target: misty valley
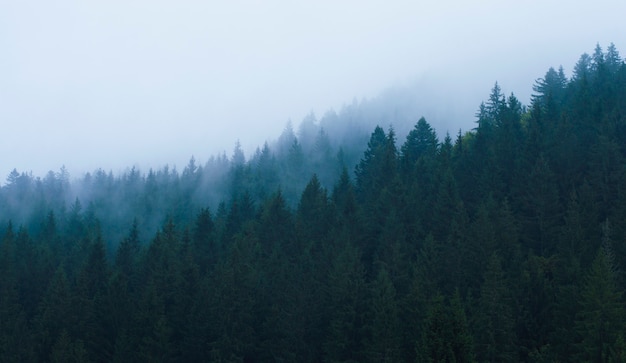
[(344, 240)]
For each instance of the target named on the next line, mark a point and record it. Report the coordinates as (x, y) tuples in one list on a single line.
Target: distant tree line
[(503, 244)]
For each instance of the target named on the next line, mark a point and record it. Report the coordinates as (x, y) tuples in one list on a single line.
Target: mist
[(151, 83), (362, 182)]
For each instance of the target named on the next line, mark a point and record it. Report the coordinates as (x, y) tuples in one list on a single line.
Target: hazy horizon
[(148, 83)]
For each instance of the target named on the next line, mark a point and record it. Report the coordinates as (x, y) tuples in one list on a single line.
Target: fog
[(147, 83)]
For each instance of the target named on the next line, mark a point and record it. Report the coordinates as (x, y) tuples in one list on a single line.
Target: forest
[(504, 243)]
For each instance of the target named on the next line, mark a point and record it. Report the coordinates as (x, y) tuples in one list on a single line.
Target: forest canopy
[(502, 243)]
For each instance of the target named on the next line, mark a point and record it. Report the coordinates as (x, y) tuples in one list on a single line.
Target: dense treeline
[(154, 198), (504, 244)]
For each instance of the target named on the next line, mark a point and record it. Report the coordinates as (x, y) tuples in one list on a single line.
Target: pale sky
[(113, 84)]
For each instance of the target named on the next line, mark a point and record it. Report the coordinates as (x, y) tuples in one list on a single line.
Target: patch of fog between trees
[(322, 147)]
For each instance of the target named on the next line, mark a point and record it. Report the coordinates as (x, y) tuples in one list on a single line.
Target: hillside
[(501, 243)]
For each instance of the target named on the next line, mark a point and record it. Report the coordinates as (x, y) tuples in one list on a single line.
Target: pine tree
[(600, 319), (378, 166), (421, 142), (613, 59), (204, 245), (345, 298), (232, 312), (92, 311), (550, 89), (127, 255), (446, 337), (384, 327), (582, 68), (541, 208), (494, 325), (313, 217), (55, 314)]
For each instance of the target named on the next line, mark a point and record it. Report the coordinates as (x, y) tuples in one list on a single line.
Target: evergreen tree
[(494, 325), (56, 313), (384, 333), (582, 68), (378, 166), (541, 208), (128, 251), (204, 245), (550, 89), (446, 336), (346, 294), (421, 142), (600, 319), (613, 60)]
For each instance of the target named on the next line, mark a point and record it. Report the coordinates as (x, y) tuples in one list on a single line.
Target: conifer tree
[(600, 319), (421, 142), (446, 337), (494, 325), (384, 341), (345, 298)]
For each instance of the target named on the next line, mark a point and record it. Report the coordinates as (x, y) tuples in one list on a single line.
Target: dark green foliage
[(493, 322), (600, 319), (541, 208), (383, 328), (421, 142), (345, 302), (446, 336), (204, 245), (503, 245), (127, 257), (373, 171)]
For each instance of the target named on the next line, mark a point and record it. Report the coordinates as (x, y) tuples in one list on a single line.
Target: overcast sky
[(113, 84)]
